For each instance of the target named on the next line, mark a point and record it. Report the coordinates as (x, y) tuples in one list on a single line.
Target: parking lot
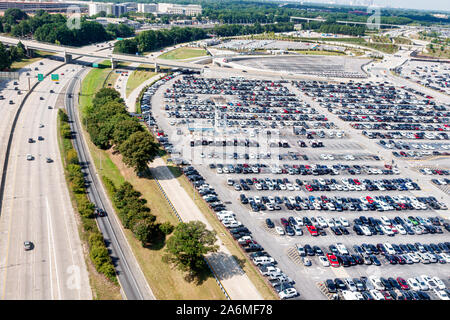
[(322, 66), (428, 74), (239, 44), (271, 149)]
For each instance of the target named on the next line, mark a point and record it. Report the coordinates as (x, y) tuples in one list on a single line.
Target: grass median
[(102, 287), (138, 76), (183, 53)]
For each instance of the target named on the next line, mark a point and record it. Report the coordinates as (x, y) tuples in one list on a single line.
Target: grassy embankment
[(183, 53), (166, 283)]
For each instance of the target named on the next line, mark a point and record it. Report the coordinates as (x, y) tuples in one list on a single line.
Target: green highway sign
[(119, 39), (95, 65), (55, 76), (40, 77)]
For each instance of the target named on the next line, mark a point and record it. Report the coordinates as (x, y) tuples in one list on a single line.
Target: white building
[(96, 8), (147, 7), (171, 8)]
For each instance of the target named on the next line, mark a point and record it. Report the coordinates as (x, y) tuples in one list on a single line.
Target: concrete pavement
[(37, 208), (232, 277)]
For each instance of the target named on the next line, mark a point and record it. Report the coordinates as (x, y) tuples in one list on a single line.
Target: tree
[(138, 150), (188, 245), (5, 61), (145, 230), (123, 129)]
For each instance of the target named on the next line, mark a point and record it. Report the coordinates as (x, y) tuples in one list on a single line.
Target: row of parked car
[(338, 254), (401, 135), (421, 287), (304, 169), (321, 184), (337, 203), (361, 226)]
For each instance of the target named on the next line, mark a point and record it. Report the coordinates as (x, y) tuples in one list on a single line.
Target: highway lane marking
[(9, 230), (52, 252)]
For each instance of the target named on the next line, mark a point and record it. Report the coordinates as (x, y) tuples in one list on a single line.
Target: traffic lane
[(39, 180)]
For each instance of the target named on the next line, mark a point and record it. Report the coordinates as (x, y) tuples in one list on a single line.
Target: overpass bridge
[(69, 52)]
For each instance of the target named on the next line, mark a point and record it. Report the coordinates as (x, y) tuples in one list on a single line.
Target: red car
[(369, 199), (402, 283), (334, 262), (309, 188), (284, 222), (312, 230)]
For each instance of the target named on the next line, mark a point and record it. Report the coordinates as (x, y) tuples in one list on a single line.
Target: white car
[(413, 284), (349, 295), (376, 294), (376, 282), (366, 231), (321, 221), (324, 261), (385, 220), (342, 249), (400, 229), (350, 284), (440, 284), (430, 282), (298, 230), (344, 222), (423, 286), (279, 230), (389, 248), (441, 294), (30, 157), (288, 293)]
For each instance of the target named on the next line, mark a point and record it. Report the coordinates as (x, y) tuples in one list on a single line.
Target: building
[(110, 8), (33, 6), (147, 7), (171, 8), (96, 8)]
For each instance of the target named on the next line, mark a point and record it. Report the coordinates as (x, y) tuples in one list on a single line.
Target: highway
[(131, 278), (36, 207)]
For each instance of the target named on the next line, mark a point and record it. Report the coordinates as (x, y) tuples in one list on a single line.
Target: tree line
[(110, 125), (91, 234), (8, 55), (155, 39), (53, 28)]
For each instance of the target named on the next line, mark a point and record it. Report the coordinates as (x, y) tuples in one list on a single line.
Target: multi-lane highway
[(36, 207), (130, 276)]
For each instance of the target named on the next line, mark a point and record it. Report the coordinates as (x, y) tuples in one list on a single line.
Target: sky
[(411, 4)]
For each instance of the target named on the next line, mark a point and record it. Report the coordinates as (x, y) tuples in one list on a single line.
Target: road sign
[(95, 65), (119, 39), (40, 77), (55, 77)]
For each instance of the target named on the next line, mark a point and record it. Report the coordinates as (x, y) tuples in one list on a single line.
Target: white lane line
[(52, 248)]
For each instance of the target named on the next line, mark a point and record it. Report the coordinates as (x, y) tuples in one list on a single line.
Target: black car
[(331, 286), (340, 284), (270, 223)]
